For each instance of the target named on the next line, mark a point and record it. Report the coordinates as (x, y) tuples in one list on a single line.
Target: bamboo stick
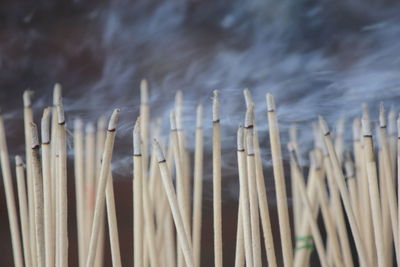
[(283, 214), (100, 196), (239, 252)]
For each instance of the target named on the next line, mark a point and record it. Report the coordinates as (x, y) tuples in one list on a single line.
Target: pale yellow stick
[(295, 194), (389, 183), (10, 200), (183, 235), (358, 172), (254, 215), (47, 190), (339, 178), (138, 226), (308, 207), (392, 139), (100, 139), (38, 195), (112, 222), (79, 185), (100, 196), (90, 181), (198, 187), (244, 197), (28, 118), (283, 213), (23, 209), (398, 172), (351, 184), (261, 192), (339, 142), (326, 213), (62, 193), (144, 122), (239, 252), (373, 191), (217, 212)]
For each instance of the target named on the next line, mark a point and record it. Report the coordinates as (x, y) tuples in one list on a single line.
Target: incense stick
[(23, 209), (198, 186), (100, 196), (239, 252), (182, 233), (38, 196), (280, 186), (217, 212), (47, 189)]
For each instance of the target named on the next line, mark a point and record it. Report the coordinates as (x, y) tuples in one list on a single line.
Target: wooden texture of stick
[(10, 200), (138, 198), (254, 213), (23, 209), (261, 191), (279, 177), (38, 195), (198, 187), (244, 197), (182, 233), (28, 118), (340, 181), (390, 190), (217, 210), (239, 252), (47, 190), (112, 222), (90, 181), (351, 184), (62, 193), (101, 190)]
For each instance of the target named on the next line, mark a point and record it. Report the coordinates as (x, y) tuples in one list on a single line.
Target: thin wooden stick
[(283, 214), (339, 140), (38, 195), (90, 181), (198, 187), (23, 209), (144, 121), (239, 252), (138, 226), (306, 201), (217, 212), (47, 190), (389, 182), (261, 192), (28, 118), (100, 196), (182, 233), (254, 215), (340, 181), (297, 214), (10, 200), (112, 222), (62, 193), (351, 182), (244, 197)]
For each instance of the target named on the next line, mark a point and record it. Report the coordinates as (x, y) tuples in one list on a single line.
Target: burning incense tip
[(240, 138), (215, 107), (270, 102), (57, 92), (247, 97), (18, 161), (382, 118), (199, 116), (249, 119), (112, 124), (323, 126), (356, 129), (158, 150), (392, 122), (60, 113), (250, 142), (136, 139), (45, 126), (172, 120), (366, 126), (27, 98), (144, 92), (34, 134)]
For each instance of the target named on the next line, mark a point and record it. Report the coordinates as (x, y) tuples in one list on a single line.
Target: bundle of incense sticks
[(352, 186)]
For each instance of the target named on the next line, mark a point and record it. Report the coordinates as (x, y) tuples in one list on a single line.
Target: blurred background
[(316, 57)]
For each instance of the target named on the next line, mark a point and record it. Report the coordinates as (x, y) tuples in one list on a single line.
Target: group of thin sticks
[(349, 186)]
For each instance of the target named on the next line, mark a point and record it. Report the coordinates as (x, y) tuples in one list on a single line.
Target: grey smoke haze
[(316, 57)]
